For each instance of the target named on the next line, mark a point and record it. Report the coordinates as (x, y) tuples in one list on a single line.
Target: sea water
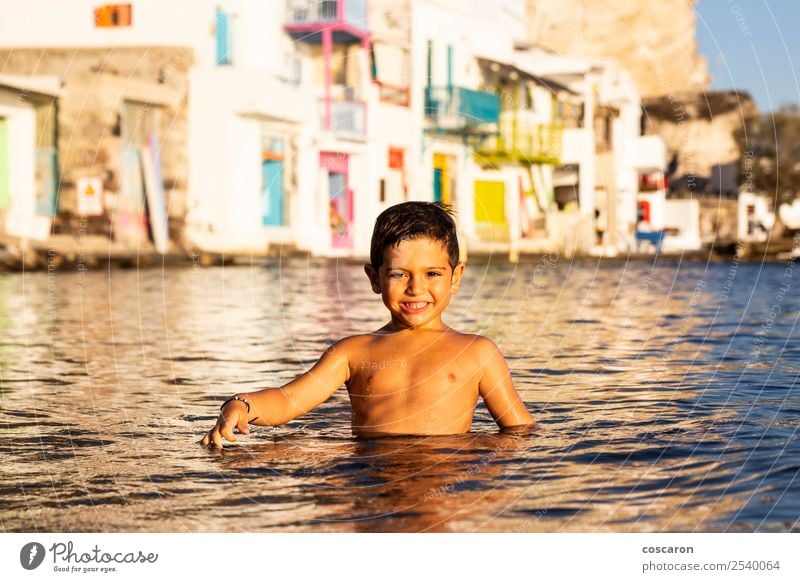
[(666, 393)]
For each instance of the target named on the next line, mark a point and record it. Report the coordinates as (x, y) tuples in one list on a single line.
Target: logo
[(31, 555)]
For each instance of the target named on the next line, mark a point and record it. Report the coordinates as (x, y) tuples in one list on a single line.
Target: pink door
[(340, 209)]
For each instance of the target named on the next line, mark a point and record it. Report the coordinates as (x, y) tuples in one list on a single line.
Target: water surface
[(666, 395)]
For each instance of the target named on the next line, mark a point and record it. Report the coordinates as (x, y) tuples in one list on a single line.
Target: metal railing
[(346, 117), (528, 141), (353, 12), (469, 106)]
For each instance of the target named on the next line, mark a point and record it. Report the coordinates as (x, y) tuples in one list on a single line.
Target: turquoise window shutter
[(223, 38)]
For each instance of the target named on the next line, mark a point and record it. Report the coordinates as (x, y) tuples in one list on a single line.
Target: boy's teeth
[(416, 305)]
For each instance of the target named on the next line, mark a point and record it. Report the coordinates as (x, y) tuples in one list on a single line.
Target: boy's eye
[(434, 274), (396, 275)]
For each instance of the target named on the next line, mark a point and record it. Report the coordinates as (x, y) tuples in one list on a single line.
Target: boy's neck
[(435, 324)]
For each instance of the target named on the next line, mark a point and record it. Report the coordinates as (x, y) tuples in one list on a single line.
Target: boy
[(413, 376)]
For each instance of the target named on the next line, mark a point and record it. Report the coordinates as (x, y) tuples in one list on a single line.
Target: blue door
[(272, 193)]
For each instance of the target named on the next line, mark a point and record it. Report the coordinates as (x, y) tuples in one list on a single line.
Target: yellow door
[(490, 202), (490, 210)]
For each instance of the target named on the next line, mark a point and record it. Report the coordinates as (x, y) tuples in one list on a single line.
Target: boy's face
[(416, 282)]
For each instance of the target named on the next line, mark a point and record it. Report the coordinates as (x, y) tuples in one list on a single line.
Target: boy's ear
[(458, 272), (374, 278)]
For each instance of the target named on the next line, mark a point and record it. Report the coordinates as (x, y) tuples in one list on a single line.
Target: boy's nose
[(415, 286)]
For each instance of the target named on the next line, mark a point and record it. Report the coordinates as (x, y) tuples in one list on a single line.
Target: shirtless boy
[(413, 376)]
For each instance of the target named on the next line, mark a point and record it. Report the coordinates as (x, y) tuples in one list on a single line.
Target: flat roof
[(42, 84)]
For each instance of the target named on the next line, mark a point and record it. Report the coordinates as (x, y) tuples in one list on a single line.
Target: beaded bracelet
[(246, 403)]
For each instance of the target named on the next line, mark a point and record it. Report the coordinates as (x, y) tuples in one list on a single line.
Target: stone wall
[(95, 84)]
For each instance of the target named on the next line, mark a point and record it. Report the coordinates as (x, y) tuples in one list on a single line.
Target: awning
[(508, 68)]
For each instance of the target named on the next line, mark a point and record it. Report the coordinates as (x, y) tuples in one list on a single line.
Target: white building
[(298, 121), (605, 159), (119, 123), (270, 120), (454, 111), (279, 130), (28, 181), (755, 217)]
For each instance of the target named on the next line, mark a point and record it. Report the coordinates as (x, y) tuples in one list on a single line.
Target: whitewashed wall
[(70, 23), (21, 218)]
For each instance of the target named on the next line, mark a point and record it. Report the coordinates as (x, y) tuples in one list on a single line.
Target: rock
[(700, 127), (654, 41)]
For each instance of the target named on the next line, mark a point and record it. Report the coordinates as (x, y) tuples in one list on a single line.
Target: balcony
[(523, 140), (347, 19), (344, 118), (461, 110)]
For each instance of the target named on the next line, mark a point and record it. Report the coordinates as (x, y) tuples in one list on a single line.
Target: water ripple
[(662, 408)]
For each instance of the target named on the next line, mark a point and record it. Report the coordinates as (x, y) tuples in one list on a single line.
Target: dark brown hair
[(411, 220)]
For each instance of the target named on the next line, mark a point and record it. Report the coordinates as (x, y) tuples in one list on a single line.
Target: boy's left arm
[(497, 389)]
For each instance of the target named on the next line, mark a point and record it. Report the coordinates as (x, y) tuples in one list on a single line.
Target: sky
[(752, 45)]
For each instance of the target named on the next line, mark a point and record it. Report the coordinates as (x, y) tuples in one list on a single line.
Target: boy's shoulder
[(480, 344), (476, 344)]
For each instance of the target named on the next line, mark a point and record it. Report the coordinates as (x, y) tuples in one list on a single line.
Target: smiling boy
[(413, 376)]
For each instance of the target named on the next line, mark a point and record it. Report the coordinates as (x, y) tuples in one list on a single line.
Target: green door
[(46, 181), (437, 185), (46, 160), (5, 166)]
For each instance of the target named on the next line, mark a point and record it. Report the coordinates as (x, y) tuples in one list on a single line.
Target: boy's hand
[(233, 415)]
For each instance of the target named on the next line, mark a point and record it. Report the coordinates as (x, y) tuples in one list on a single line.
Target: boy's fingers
[(224, 429), (216, 439), (226, 432), (212, 438)]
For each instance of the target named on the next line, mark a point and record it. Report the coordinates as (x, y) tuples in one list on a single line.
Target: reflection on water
[(666, 396)]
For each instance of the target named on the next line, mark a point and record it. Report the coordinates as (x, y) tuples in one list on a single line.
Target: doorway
[(272, 192)]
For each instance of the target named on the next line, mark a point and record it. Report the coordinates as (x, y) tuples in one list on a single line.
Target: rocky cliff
[(699, 130), (653, 39)]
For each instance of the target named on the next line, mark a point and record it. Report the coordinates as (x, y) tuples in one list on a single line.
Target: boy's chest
[(414, 372)]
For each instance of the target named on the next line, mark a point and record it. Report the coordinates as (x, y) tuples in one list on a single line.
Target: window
[(113, 15), (396, 158), (223, 35)]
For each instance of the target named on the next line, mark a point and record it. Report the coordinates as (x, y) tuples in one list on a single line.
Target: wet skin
[(415, 375)]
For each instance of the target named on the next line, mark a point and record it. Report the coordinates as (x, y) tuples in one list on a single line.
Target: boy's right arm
[(275, 406), (497, 389)]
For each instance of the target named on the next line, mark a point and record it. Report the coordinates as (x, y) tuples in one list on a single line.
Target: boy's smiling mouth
[(414, 306)]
